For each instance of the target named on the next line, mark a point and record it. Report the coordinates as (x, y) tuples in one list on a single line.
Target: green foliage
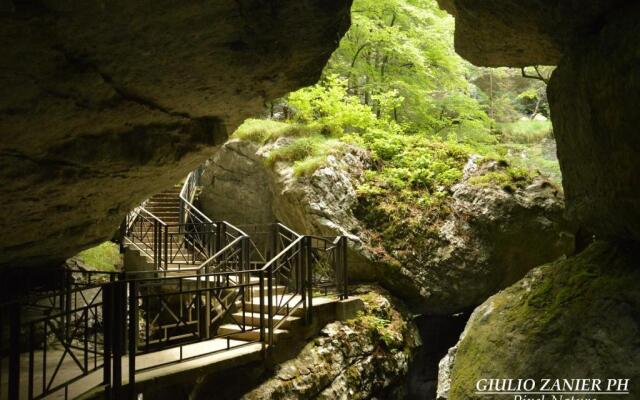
[(507, 96), (396, 87), (264, 130), (525, 131), (508, 178), (531, 146), (398, 58), (385, 322), (104, 257), (381, 329)]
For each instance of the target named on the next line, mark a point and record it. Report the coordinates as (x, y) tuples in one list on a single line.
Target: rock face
[(518, 33), (474, 251), (577, 317), (106, 103), (593, 94), (490, 240), (240, 187), (574, 318), (363, 358)]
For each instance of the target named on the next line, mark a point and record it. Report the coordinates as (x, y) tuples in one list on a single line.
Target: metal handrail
[(220, 253), (282, 253), (286, 228), (187, 194), (152, 215)]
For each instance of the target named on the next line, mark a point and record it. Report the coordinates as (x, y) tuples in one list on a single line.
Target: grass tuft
[(104, 257)]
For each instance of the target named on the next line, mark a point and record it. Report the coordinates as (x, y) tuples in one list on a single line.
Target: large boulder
[(106, 103), (366, 357), (574, 318), (442, 266)]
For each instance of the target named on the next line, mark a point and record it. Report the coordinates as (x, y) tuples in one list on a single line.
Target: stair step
[(163, 201), (235, 332), (211, 278), (183, 267), (253, 318), (278, 306), (276, 289), (168, 192)]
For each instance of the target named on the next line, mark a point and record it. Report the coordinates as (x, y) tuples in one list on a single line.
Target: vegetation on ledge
[(104, 257)]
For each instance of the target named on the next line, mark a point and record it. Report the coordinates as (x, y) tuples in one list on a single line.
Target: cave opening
[(387, 199)]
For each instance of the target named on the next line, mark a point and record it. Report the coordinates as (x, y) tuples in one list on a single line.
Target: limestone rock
[(593, 96), (574, 318), (518, 33), (358, 359), (472, 253), (105, 103)]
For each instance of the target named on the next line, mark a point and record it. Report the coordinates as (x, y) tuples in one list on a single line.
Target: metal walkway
[(207, 289)]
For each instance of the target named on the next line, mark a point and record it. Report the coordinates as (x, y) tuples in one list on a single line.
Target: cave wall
[(594, 96), (576, 317), (106, 103), (516, 33), (593, 93)]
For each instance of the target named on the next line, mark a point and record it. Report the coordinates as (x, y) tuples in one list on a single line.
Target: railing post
[(310, 281), (181, 219), (218, 238), (245, 261), (14, 351), (67, 306), (156, 245), (166, 247), (343, 261), (119, 324), (207, 309), (223, 235), (107, 316), (261, 291), (210, 243), (270, 304), (303, 276), (133, 335)]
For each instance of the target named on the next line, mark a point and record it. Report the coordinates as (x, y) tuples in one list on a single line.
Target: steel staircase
[(208, 287)]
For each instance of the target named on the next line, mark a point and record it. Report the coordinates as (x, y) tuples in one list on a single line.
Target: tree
[(406, 47)]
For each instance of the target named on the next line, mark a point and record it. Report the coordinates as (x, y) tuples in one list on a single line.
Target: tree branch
[(538, 75)]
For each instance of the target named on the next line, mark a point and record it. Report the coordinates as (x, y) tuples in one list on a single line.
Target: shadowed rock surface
[(574, 318), (105, 103), (516, 33), (594, 95)]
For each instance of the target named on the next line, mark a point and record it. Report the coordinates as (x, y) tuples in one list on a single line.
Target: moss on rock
[(357, 359), (574, 318)]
